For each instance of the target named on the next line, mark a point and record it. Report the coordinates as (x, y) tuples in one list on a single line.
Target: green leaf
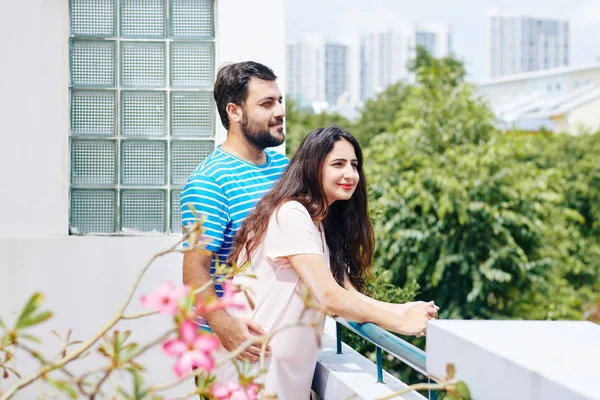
[(31, 338), (5, 341), (128, 351), (125, 336), (138, 382), (36, 319), (187, 302), (64, 387), (29, 317), (462, 390), (123, 393), (38, 356), (2, 325), (115, 343), (34, 302)]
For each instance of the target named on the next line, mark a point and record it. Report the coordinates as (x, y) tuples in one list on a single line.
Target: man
[(226, 186)]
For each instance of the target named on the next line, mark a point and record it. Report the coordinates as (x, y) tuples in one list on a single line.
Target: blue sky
[(468, 19)]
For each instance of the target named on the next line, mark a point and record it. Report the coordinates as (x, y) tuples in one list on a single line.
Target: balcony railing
[(385, 341)]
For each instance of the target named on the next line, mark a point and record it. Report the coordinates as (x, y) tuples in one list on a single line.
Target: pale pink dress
[(291, 367)]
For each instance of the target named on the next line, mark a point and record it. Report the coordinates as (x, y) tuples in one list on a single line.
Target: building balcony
[(530, 360)]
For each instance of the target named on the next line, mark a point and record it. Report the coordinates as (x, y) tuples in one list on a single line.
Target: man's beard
[(258, 135)]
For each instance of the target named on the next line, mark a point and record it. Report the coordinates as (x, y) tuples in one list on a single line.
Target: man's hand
[(232, 332)]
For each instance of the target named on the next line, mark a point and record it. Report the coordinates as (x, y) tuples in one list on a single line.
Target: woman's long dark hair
[(348, 229)]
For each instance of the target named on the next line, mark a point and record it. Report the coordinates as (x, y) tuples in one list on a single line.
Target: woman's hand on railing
[(430, 306), (414, 320), (402, 309)]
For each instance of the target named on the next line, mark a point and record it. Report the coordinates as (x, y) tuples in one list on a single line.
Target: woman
[(313, 230)]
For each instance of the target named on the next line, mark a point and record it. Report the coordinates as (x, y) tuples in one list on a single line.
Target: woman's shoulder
[(293, 205), (292, 209)]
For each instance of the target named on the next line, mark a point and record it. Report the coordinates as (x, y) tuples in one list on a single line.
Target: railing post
[(432, 393), (338, 337), (379, 356)]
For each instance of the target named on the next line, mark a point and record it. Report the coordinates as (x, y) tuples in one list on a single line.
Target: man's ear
[(234, 112)]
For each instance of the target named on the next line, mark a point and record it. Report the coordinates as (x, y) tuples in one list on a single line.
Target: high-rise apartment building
[(384, 55), (317, 71), (520, 43), (321, 73)]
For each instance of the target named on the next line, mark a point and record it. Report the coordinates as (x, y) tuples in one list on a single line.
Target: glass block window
[(142, 110)]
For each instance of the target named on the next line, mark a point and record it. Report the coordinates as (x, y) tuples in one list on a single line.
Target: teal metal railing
[(385, 341)]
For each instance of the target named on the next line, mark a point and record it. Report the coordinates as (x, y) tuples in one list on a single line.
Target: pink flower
[(165, 298), (191, 349), (232, 297), (252, 391), (233, 391)]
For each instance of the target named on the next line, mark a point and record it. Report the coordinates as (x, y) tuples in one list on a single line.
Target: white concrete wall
[(251, 30), (34, 82), (525, 360), (84, 278), (582, 78), (587, 116)]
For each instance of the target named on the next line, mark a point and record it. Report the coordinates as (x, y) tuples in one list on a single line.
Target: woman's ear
[(234, 112)]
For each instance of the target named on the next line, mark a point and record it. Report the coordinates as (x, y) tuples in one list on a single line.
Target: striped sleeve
[(208, 199)]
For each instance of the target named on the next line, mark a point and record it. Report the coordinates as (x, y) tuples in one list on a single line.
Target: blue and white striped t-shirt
[(225, 189)]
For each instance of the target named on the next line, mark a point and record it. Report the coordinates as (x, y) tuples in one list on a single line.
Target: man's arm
[(232, 332)]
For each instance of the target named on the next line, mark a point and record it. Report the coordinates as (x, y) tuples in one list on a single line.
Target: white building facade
[(339, 75), (317, 71), (565, 99), (107, 106), (520, 43), (384, 55)]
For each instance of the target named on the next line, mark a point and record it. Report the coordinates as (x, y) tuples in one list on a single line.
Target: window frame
[(205, 144)]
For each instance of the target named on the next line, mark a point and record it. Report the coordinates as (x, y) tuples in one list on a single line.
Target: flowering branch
[(193, 233), (192, 348), (138, 316)]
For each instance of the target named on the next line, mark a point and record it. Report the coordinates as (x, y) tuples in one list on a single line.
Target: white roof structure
[(538, 105), (538, 74), (555, 99)]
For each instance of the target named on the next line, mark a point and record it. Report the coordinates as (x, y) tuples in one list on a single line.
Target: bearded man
[(226, 186)]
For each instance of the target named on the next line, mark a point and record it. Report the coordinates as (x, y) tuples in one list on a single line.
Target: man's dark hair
[(232, 81)]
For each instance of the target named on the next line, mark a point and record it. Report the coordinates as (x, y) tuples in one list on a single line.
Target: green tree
[(458, 210), (488, 224), (575, 247), (377, 115), (300, 122)]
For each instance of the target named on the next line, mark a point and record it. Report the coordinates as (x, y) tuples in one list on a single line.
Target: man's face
[(263, 113)]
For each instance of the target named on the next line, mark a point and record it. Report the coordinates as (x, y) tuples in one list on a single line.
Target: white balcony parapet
[(351, 375), (525, 360)]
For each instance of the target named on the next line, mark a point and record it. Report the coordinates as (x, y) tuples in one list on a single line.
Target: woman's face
[(340, 173)]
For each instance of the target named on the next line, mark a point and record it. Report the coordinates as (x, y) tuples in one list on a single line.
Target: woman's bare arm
[(399, 308), (337, 300)]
